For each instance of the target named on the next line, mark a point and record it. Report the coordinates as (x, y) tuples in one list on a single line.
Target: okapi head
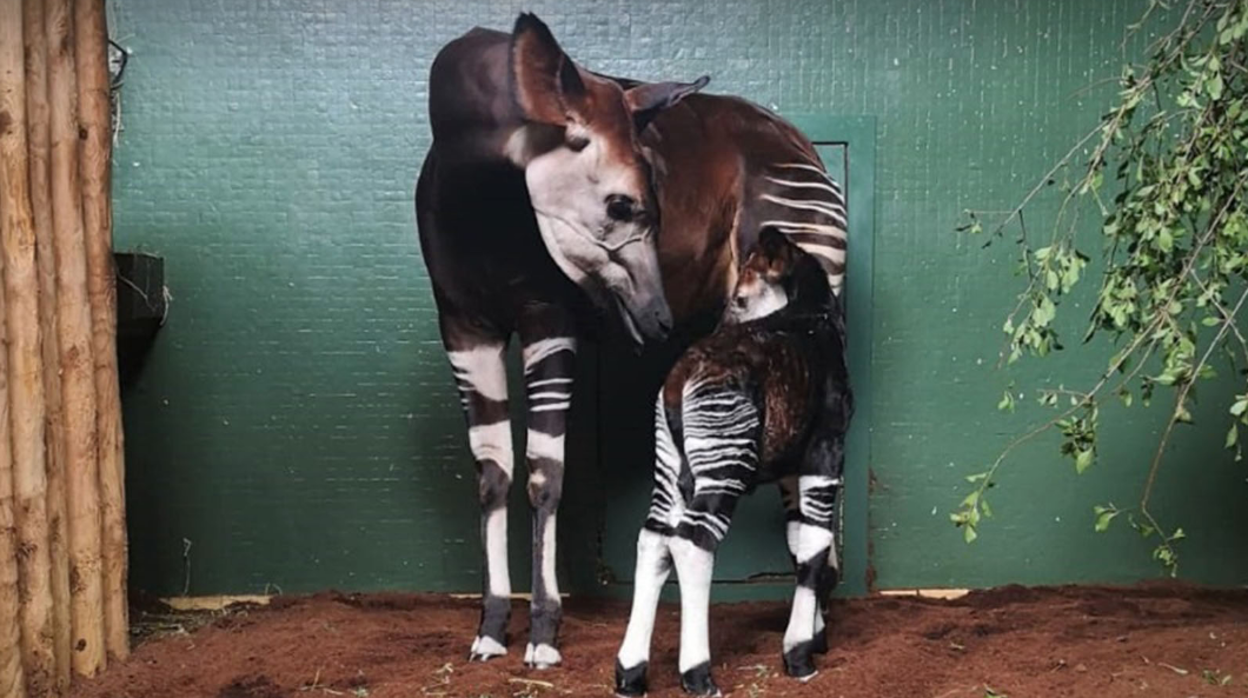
[(588, 181), (776, 274)]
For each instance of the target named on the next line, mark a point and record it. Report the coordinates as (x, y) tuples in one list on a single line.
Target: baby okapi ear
[(645, 101), (775, 248), (546, 82)]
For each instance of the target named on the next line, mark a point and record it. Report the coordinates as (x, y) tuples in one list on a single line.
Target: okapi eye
[(620, 207)]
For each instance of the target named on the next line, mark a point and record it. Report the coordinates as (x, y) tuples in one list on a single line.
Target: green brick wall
[(296, 426)]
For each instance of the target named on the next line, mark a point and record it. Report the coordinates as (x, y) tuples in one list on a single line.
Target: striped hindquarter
[(800, 200), (706, 457)]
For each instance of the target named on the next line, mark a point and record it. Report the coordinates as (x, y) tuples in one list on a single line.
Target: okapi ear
[(772, 244), (545, 80), (645, 101)]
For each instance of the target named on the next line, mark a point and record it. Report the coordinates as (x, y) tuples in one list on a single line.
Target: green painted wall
[(296, 427)]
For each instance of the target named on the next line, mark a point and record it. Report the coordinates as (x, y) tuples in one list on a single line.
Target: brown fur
[(736, 352), (717, 144), (757, 351)]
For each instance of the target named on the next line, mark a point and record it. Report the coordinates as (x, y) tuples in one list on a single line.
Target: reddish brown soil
[(1170, 641)]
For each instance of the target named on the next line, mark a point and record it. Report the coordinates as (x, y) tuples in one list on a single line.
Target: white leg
[(801, 618), (813, 543), (653, 566), (694, 567)]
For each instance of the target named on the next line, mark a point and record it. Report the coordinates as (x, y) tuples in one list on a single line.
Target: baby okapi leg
[(719, 433), (814, 547), (482, 380), (654, 561), (549, 363), (694, 568), (792, 526)]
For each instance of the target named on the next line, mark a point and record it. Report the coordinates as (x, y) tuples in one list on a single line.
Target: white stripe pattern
[(832, 210), (809, 206), (538, 351)]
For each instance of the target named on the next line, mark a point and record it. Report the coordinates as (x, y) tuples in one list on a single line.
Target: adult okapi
[(547, 183)]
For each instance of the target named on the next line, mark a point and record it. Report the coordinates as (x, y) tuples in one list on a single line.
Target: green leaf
[(969, 534), (1182, 414), (1103, 518), (1007, 402), (1083, 460), (1232, 436), (983, 504), (1214, 87), (1126, 397), (1240, 406), (1165, 241), (1044, 312)]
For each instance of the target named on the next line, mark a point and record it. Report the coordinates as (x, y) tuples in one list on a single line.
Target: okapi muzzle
[(629, 285)]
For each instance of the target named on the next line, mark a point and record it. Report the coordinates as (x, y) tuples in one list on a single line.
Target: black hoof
[(697, 681), (630, 682), (798, 663), (819, 645)]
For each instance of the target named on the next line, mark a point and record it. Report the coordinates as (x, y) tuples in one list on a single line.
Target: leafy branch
[(1174, 249)]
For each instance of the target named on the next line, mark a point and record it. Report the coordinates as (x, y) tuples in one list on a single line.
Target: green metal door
[(753, 561)]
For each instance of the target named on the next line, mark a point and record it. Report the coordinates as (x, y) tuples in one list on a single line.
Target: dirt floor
[(1166, 640)]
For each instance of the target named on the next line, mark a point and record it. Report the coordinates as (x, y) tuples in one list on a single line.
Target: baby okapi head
[(777, 274)]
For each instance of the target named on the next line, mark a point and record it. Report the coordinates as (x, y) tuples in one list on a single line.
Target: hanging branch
[(1175, 244)]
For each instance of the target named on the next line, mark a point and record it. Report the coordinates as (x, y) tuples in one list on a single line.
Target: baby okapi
[(765, 398)]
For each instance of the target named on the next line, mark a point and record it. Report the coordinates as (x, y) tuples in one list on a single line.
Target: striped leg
[(482, 379), (813, 545), (792, 526), (720, 443), (654, 561), (549, 352)]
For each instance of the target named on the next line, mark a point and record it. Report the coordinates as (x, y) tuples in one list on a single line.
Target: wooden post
[(95, 114), (25, 370), (12, 683), (38, 126), (73, 315)]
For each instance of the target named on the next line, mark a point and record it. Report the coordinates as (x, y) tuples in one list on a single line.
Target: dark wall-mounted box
[(142, 305)]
